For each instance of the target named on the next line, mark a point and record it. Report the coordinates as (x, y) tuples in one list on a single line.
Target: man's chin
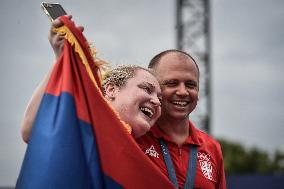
[(179, 116)]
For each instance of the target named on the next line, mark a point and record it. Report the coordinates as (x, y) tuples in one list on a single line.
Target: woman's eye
[(147, 89)]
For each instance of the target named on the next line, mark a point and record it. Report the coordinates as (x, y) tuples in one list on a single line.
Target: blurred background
[(240, 49)]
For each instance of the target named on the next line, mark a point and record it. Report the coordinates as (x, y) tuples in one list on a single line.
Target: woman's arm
[(32, 108), (57, 43)]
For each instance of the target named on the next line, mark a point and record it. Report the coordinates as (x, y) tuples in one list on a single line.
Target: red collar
[(191, 139)]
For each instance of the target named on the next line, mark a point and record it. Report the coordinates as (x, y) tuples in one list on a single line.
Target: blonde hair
[(120, 75)]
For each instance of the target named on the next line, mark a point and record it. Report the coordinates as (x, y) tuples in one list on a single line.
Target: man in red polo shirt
[(188, 156)]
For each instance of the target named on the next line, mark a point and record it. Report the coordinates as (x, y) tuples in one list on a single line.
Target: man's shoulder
[(205, 140), (203, 135)]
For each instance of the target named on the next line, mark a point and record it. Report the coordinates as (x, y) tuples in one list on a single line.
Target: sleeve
[(221, 182)]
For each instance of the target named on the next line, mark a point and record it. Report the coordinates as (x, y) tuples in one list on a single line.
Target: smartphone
[(53, 10)]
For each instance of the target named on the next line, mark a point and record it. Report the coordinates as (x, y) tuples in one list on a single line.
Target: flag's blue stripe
[(62, 151)]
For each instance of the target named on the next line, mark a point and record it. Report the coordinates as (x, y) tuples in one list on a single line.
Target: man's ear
[(111, 91)]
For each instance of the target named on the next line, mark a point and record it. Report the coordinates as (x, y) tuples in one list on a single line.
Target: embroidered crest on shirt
[(205, 165), (152, 152)]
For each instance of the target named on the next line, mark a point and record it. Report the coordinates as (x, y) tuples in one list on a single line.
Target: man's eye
[(191, 85), (170, 84)]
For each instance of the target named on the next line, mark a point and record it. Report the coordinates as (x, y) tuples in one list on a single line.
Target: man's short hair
[(156, 59)]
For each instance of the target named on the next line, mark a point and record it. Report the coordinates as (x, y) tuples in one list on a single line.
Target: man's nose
[(182, 90)]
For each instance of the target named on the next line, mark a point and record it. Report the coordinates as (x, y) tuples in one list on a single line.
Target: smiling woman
[(135, 94)]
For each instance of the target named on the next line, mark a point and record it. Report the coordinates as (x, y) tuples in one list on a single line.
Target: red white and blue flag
[(78, 141)]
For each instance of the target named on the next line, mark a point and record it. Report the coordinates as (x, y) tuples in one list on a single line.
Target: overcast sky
[(247, 62)]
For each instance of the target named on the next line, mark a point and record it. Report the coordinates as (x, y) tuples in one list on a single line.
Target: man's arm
[(221, 184)]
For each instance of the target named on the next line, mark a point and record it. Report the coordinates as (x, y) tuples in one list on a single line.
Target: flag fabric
[(78, 141)]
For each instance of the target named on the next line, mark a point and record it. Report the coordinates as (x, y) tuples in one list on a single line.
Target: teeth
[(147, 111), (181, 103)]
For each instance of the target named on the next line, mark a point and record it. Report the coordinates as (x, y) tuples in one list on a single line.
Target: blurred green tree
[(238, 160)]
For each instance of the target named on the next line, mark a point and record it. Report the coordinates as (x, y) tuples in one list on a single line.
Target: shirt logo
[(205, 165), (152, 152)]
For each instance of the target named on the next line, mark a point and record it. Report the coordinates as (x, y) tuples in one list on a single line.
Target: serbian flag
[(78, 141)]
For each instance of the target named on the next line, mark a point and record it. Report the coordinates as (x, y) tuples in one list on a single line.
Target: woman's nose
[(156, 101)]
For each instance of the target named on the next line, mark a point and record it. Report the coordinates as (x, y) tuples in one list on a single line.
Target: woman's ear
[(110, 91)]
